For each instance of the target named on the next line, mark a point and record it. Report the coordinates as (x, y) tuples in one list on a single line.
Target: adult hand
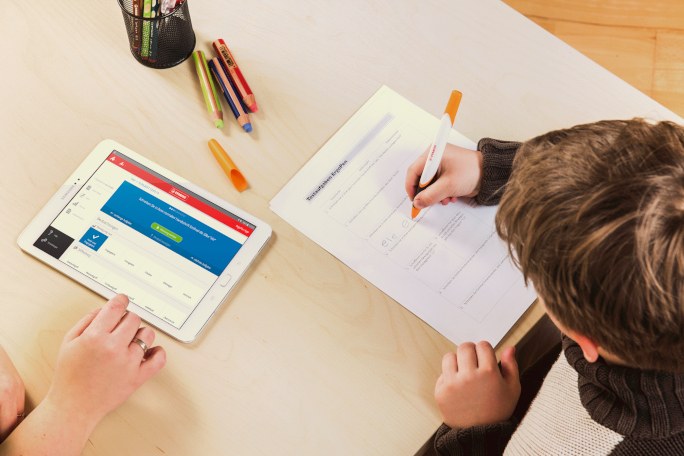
[(473, 390), (99, 365), (12, 395), (459, 175)]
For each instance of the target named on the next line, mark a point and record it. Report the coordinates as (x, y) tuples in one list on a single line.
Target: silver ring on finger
[(141, 344)]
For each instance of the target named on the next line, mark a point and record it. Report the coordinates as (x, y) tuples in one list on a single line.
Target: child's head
[(594, 216)]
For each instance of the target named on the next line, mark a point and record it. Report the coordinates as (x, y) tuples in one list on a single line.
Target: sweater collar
[(631, 402)]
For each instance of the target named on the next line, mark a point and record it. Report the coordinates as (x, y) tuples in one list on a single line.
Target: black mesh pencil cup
[(159, 31)]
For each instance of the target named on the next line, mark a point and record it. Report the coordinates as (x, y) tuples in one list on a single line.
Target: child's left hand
[(473, 390)]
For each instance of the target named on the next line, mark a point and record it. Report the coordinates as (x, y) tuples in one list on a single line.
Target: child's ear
[(588, 346)]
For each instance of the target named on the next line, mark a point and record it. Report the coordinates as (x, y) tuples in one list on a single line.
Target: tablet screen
[(136, 232)]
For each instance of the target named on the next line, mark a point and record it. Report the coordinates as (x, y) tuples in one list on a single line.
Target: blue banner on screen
[(171, 228)]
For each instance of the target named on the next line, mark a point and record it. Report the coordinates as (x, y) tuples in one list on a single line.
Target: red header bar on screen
[(179, 194)]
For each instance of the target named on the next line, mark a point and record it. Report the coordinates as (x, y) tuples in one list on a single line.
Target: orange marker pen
[(436, 150)]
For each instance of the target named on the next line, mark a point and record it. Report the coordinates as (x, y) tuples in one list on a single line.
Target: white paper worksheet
[(448, 266)]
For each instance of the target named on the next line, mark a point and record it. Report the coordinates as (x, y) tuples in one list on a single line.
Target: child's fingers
[(467, 356), (449, 364), (486, 357), (413, 175), (509, 365), (435, 193)]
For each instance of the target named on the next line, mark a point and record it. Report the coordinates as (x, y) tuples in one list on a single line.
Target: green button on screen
[(166, 232)]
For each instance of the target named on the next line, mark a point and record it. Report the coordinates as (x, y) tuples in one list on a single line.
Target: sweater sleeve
[(490, 439), (497, 163)]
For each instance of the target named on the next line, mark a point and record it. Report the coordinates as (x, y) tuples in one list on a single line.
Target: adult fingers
[(110, 315), (509, 365), (82, 324), (127, 327), (146, 335), (154, 361), (467, 357), (486, 357), (413, 175)]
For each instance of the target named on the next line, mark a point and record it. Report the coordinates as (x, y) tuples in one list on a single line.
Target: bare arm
[(98, 368), (12, 395)]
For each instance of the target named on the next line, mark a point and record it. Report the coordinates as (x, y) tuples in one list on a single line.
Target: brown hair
[(594, 217)]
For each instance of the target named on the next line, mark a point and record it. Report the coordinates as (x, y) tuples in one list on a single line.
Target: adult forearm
[(49, 430)]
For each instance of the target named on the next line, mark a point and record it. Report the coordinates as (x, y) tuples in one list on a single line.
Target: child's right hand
[(459, 175)]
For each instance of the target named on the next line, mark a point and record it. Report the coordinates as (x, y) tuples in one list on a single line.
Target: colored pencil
[(230, 94), (231, 67)]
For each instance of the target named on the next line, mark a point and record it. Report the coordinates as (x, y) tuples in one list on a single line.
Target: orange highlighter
[(436, 150), (232, 171)]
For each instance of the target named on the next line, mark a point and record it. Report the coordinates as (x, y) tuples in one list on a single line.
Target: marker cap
[(228, 166), (452, 105)]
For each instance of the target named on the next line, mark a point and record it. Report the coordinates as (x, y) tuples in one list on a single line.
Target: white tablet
[(122, 224)]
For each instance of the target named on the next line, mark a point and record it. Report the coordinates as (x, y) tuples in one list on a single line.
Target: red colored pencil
[(230, 65), (137, 23)]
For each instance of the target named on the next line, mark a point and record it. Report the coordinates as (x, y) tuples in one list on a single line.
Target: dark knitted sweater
[(497, 161), (641, 412)]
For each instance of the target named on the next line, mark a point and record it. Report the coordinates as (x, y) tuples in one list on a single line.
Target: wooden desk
[(306, 357)]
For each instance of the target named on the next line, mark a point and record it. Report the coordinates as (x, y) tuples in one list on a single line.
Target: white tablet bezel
[(218, 292)]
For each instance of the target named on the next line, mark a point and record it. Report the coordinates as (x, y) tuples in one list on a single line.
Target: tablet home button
[(225, 280)]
